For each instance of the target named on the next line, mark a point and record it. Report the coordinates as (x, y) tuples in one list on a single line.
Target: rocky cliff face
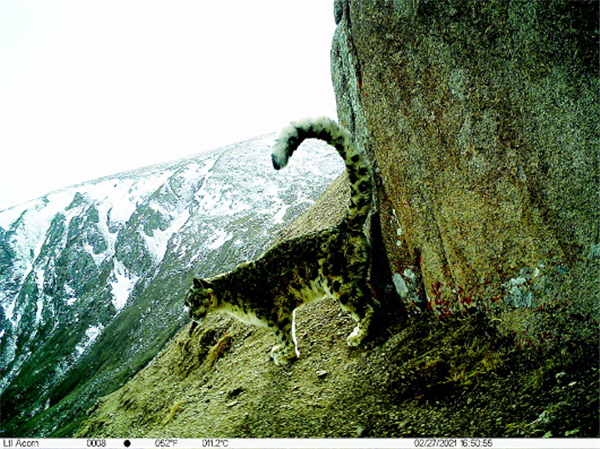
[(481, 119), (92, 277)]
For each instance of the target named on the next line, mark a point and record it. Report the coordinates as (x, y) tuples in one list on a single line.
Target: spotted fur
[(333, 262)]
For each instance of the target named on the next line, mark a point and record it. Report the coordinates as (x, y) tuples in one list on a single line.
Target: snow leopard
[(333, 262)]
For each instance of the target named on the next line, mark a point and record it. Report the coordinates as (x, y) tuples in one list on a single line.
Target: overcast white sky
[(92, 88)]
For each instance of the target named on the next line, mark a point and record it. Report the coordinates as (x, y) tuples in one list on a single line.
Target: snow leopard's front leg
[(287, 349)]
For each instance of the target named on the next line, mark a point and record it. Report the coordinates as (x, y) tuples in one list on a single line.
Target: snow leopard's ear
[(201, 283)]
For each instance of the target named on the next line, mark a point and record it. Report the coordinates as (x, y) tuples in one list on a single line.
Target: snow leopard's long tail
[(357, 164)]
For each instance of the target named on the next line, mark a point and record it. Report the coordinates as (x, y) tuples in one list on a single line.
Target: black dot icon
[(126, 443)]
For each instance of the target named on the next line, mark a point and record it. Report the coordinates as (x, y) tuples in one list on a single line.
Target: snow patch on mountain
[(218, 239), (72, 295), (39, 275), (91, 334), (278, 217), (121, 283)]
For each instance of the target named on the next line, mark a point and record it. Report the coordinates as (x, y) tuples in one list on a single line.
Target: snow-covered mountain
[(92, 276)]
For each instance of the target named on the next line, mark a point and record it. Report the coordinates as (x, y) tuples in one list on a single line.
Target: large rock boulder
[(482, 123)]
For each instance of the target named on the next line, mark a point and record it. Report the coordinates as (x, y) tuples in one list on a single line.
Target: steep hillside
[(445, 379), (91, 277), (455, 377)]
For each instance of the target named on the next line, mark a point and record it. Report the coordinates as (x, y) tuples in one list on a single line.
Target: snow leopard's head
[(200, 299)]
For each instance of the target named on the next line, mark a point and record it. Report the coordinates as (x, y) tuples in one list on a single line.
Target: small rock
[(361, 431), (544, 419), (321, 373), (560, 377), (231, 404)]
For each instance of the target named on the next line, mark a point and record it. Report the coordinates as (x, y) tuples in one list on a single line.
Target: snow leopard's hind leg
[(356, 300)]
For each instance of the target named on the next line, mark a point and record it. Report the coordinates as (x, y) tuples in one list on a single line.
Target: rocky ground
[(417, 376), (455, 377)]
